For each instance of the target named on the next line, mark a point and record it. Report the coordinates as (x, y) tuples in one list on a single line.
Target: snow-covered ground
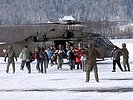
[(64, 84)]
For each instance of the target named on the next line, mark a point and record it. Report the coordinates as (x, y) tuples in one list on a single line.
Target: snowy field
[(64, 84)]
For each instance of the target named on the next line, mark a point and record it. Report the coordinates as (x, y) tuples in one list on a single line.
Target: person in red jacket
[(78, 57)]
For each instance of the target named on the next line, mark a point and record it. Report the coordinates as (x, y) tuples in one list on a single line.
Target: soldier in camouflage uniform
[(91, 63), (10, 54), (125, 54)]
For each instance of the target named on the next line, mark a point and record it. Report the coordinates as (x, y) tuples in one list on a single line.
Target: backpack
[(36, 55), (41, 55), (31, 56)]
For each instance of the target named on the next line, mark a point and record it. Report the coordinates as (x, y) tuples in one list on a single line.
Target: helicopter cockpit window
[(102, 42), (110, 43), (105, 42), (95, 43)]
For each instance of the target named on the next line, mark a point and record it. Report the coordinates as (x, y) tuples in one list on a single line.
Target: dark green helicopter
[(48, 34)]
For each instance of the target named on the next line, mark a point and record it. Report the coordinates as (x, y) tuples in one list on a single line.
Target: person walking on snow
[(116, 53), (26, 57), (10, 54), (125, 54)]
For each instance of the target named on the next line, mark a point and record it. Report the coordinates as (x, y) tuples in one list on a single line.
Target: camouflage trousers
[(126, 64), (89, 68), (10, 61)]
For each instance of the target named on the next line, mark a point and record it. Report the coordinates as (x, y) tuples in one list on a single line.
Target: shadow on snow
[(117, 89)]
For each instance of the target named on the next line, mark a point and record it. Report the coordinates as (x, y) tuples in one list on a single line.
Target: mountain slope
[(36, 11)]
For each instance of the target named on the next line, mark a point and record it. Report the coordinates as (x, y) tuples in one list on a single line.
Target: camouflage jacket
[(92, 55), (10, 54), (125, 53)]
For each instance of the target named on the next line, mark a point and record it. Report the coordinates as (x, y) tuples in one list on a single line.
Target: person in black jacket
[(116, 53), (71, 57)]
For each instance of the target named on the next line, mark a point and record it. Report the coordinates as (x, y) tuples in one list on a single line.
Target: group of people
[(25, 56), (43, 57), (85, 58), (117, 53)]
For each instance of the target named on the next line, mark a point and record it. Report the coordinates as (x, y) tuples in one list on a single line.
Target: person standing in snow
[(60, 52), (91, 63), (125, 54), (45, 60), (78, 57), (84, 58), (49, 53), (71, 57), (10, 54)]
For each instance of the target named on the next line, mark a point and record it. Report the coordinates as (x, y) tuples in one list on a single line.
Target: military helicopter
[(46, 34)]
